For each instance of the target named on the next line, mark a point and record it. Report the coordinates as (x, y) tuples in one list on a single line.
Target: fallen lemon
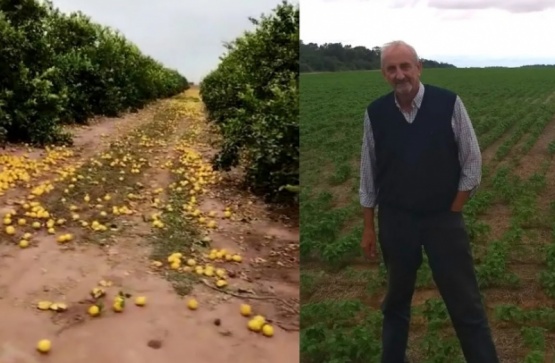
[(260, 318), (44, 346), (246, 310), (192, 304), (94, 310), (140, 301), (268, 330), (255, 325), (23, 243), (44, 305), (118, 307)]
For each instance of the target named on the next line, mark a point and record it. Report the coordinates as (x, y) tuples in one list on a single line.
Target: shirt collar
[(417, 101)]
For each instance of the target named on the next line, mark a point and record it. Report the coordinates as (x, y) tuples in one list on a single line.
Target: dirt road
[(132, 192)]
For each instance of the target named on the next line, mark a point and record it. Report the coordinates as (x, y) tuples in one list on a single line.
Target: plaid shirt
[(470, 156)]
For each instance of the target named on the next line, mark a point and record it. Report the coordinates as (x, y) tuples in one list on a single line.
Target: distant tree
[(538, 66), (334, 57)]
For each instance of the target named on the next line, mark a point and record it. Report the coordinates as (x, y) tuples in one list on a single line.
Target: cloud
[(185, 35), (403, 3), (513, 6), (455, 15)]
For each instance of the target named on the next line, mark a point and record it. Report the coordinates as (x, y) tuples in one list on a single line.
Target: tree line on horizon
[(336, 57)]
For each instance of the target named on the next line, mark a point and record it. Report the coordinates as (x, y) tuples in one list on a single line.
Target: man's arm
[(470, 156), (367, 190)]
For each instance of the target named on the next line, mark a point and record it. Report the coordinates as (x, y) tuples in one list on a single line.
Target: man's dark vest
[(418, 167)]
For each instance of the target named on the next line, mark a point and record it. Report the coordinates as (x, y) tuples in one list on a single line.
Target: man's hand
[(460, 200), (368, 244)]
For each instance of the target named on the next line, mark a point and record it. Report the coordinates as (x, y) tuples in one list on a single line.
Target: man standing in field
[(420, 163)]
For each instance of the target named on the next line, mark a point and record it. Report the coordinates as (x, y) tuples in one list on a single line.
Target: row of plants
[(252, 97), (58, 68)]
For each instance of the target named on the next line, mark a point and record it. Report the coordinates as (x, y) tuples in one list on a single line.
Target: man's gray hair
[(397, 43)]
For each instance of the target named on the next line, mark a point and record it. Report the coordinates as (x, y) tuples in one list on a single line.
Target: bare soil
[(165, 329)]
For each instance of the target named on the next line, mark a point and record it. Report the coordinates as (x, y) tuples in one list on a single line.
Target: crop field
[(511, 219)]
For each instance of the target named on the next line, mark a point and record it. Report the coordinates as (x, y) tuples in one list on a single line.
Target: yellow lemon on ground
[(255, 325), (246, 310), (192, 304), (94, 310), (10, 230), (140, 301), (44, 346), (237, 258), (23, 243), (117, 306), (221, 283), (268, 330), (260, 318)]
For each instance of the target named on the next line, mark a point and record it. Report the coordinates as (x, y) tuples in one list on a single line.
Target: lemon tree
[(63, 68), (253, 99)]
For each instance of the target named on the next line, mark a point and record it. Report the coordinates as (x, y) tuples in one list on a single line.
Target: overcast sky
[(461, 32), (183, 34)]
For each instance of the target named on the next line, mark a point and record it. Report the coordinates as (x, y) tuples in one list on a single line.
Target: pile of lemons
[(21, 169)]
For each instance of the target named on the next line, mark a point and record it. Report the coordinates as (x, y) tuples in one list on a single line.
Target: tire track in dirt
[(47, 271)]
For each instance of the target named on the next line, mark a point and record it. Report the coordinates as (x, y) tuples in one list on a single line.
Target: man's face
[(401, 70)]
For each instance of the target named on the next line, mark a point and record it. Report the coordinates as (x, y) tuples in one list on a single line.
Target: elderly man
[(420, 163)]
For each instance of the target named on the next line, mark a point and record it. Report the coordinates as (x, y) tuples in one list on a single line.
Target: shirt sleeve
[(470, 156), (367, 190)]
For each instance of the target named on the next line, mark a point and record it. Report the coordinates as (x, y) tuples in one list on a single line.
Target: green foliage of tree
[(253, 99), (60, 68)]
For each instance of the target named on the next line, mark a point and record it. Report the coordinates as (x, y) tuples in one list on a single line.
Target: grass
[(117, 174), (509, 220)]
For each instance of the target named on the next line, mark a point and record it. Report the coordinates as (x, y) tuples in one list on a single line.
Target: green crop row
[(508, 220)]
